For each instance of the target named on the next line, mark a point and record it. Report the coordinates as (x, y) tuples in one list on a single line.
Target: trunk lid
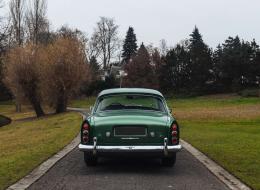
[(130, 128)]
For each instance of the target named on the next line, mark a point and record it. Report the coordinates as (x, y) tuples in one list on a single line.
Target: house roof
[(130, 90)]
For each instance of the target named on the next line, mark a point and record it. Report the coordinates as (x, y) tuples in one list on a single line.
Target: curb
[(38, 172), (223, 175), (84, 112)]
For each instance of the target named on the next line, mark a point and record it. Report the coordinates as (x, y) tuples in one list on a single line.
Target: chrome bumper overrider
[(163, 148)]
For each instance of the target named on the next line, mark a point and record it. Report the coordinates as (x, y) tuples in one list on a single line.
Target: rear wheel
[(169, 161), (90, 160)]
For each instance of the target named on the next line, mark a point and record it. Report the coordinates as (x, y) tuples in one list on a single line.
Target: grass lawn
[(227, 129), (83, 103), (224, 127), (233, 144), (24, 145), (7, 109)]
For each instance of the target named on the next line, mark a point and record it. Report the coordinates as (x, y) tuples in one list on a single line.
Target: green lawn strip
[(7, 108), (234, 145), (83, 103), (203, 101), (24, 145)]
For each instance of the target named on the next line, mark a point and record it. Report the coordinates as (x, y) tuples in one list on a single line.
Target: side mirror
[(90, 108), (170, 109)]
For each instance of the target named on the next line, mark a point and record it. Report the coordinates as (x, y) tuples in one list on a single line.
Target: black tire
[(90, 160), (169, 161)]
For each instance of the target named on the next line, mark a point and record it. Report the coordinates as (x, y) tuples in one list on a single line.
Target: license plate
[(130, 131)]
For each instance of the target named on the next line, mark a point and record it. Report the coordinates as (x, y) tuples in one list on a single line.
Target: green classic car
[(132, 122)]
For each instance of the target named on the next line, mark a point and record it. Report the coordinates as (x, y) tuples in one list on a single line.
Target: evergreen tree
[(201, 62), (255, 49), (175, 72), (167, 76), (183, 70), (217, 72), (254, 68), (156, 60), (236, 64), (130, 46), (231, 66), (94, 66), (140, 72), (217, 57)]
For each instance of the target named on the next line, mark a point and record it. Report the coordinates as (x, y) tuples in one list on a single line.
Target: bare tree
[(3, 29), (1, 6), (22, 75), (93, 49), (64, 69), (3, 37), (163, 47), (140, 72), (67, 32), (150, 48), (105, 39), (1, 34), (16, 8), (36, 20), (70, 33), (16, 18)]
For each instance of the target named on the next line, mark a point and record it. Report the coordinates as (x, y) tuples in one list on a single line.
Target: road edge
[(40, 170), (223, 175)]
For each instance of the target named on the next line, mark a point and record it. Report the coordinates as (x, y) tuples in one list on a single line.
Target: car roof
[(130, 90)]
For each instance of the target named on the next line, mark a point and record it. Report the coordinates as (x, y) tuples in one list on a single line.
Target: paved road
[(71, 173)]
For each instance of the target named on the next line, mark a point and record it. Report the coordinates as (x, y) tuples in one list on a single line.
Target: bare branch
[(104, 41), (163, 47), (16, 17), (36, 20)]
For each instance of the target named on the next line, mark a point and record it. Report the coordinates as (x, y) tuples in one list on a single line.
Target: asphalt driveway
[(112, 174)]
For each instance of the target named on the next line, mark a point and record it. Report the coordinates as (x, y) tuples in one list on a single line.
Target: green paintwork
[(157, 122)]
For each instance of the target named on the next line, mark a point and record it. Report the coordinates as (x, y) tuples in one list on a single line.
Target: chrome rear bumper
[(166, 149)]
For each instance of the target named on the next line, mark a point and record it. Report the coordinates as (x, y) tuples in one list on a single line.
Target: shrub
[(22, 75), (64, 69)]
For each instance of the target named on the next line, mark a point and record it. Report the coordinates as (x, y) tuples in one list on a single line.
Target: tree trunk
[(61, 105), (18, 107), (37, 107), (38, 110)]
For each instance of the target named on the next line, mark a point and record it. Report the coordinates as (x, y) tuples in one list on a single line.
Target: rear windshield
[(130, 102)]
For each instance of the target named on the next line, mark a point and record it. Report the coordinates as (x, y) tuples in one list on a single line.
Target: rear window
[(130, 102)]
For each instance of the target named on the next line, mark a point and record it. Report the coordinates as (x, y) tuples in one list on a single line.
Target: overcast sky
[(172, 20)]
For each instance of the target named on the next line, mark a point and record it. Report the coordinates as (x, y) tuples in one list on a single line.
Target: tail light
[(174, 133), (85, 132)]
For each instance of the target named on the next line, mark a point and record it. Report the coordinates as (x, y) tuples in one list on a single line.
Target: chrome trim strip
[(90, 148), (95, 146), (130, 138), (165, 148)]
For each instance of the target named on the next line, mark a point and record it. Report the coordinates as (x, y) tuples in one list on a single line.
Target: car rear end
[(131, 133)]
